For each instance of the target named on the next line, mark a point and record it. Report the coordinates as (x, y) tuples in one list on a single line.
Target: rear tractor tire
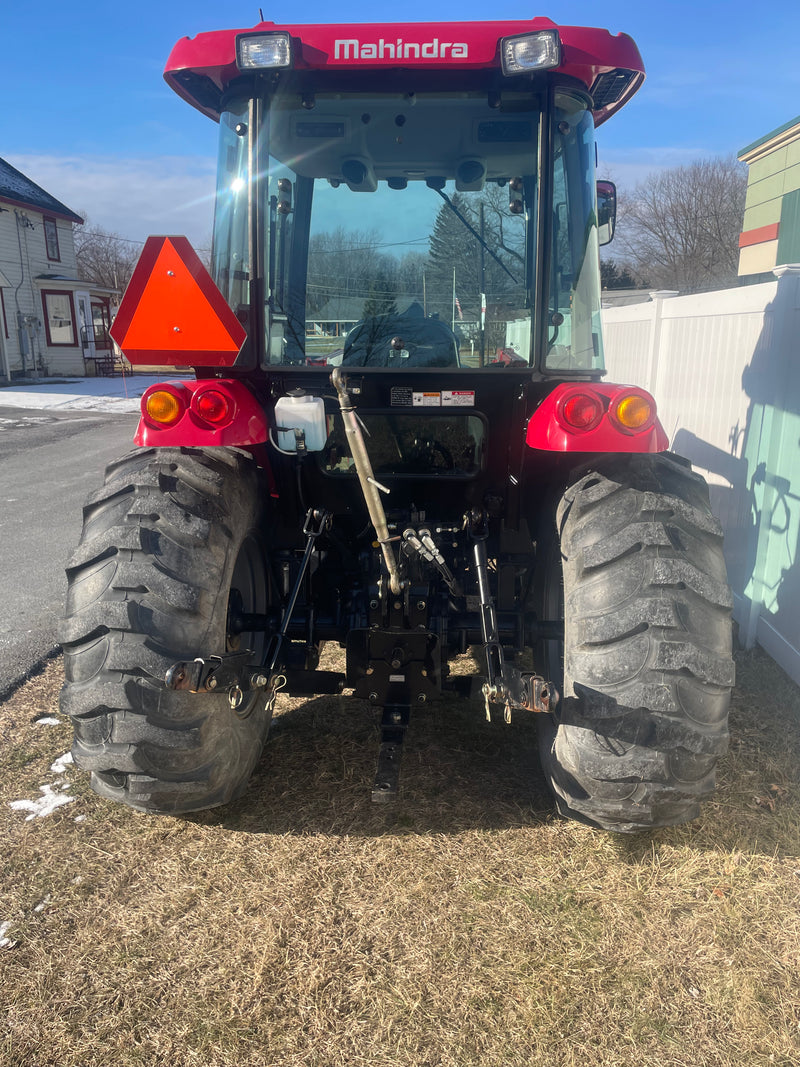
[(172, 536), (647, 653)]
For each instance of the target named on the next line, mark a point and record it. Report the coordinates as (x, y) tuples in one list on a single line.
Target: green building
[(771, 230)]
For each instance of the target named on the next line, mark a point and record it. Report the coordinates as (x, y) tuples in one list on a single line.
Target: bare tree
[(679, 228), (105, 259), (342, 265)]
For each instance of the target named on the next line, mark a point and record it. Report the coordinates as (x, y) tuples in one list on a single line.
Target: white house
[(51, 322)]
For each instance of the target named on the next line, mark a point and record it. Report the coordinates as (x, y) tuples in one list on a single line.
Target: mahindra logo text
[(399, 49)]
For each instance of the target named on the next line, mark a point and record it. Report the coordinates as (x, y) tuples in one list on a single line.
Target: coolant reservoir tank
[(298, 411)]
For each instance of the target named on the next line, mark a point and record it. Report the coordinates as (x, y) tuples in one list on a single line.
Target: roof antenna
[(260, 15)]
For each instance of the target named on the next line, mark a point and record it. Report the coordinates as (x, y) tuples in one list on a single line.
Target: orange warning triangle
[(173, 313)]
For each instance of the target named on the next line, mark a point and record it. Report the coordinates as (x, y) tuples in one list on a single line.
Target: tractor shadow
[(461, 773), (458, 772)]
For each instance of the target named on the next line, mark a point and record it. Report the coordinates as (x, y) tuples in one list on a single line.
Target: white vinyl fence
[(724, 368)]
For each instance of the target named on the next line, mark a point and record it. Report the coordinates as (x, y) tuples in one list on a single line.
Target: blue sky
[(90, 118)]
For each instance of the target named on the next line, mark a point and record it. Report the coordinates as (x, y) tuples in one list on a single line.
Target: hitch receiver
[(394, 724)]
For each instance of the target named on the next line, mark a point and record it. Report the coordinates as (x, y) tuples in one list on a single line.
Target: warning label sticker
[(458, 398), (404, 396), (401, 396)]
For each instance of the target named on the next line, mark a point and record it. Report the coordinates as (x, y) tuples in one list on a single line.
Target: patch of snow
[(6, 942), (61, 763), (84, 394), (79, 818), (47, 720), (45, 805), (43, 903), (22, 421)]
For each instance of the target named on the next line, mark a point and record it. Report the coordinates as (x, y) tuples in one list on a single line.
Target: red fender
[(592, 416), (211, 411)]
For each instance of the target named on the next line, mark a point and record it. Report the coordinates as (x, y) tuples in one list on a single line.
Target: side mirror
[(606, 211)]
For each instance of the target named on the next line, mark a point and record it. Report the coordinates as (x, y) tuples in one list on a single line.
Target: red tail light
[(213, 406), (581, 411)]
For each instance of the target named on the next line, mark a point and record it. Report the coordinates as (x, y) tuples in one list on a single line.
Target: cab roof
[(200, 68)]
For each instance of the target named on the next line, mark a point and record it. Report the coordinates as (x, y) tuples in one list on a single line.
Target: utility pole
[(482, 287)]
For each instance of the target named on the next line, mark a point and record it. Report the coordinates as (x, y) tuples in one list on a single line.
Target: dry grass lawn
[(304, 926)]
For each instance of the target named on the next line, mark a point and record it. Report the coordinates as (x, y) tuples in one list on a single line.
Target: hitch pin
[(378, 485), (496, 694)]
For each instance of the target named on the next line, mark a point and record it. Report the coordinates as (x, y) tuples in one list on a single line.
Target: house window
[(59, 317), (51, 240)]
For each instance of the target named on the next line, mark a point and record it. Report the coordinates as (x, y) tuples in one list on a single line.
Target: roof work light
[(263, 51), (534, 51)]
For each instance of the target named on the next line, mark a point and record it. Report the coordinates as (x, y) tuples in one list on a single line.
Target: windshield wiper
[(473, 231)]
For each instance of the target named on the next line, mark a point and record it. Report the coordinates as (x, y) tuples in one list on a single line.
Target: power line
[(366, 248), (96, 232)]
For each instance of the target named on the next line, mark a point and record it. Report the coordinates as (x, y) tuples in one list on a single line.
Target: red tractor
[(397, 436)]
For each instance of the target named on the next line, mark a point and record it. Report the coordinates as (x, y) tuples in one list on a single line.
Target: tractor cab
[(412, 196)]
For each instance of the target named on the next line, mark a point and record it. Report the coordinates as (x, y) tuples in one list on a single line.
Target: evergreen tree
[(614, 275), (453, 248), (496, 269), (381, 296)]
